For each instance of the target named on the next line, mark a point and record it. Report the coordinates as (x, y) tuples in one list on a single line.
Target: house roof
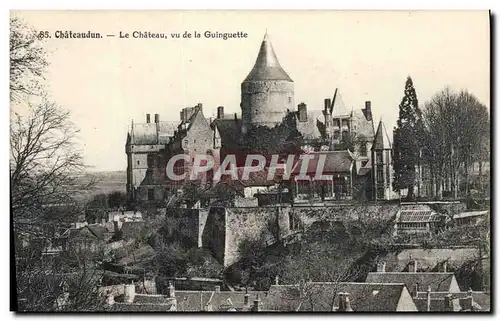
[(338, 107), (152, 133), (436, 280), (87, 231), (362, 126), (220, 301), (309, 129), (142, 307), (334, 162), (428, 259), (381, 140), (482, 300), (267, 66), (229, 131), (363, 296)]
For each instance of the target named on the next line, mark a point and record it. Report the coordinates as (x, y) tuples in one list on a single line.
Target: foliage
[(27, 61), (408, 136)]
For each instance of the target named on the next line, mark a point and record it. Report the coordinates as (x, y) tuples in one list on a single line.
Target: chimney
[(276, 280), (328, 103), (444, 266), (148, 118), (448, 302), (235, 116), (217, 288), (381, 267), (412, 265), (429, 299), (368, 110), (182, 114), (157, 118), (302, 108), (344, 302), (468, 302), (414, 292), (220, 112), (129, 292), (171, 290), (257, 306)]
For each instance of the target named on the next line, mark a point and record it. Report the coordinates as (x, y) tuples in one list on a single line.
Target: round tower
[(267, 92)]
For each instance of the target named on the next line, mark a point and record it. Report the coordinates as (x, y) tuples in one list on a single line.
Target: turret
[(267, 93)]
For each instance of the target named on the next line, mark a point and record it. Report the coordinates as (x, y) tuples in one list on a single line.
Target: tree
[(457, 135), (44, 164), (27, 60), (407, 141), (44, 169)]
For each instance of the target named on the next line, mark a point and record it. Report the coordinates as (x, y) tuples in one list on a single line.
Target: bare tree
[(27, 60), (457, 127), (313, 267), (44, 163)]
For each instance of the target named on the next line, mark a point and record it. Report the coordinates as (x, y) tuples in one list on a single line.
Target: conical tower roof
[(381, 140), (267, 66)]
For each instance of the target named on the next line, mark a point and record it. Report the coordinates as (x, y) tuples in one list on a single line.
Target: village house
[(341, 297)]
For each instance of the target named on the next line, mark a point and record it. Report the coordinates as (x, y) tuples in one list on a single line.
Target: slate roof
[(267, 66), (363, 127), (222, 300), (229, 131), (152, 133), (87, 231), (140, 307), (335, 162), (310, 128), (482, 300), (436, 280), (428, 259), (381, 140), (338, 107), (371, 297)]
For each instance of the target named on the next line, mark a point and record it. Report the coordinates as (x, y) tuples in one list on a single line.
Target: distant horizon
[(107, 83)]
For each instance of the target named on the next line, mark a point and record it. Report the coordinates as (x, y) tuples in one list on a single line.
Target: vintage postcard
[(250, 161)]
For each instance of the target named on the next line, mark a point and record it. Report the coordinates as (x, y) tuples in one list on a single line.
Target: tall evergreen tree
[(407, 141)]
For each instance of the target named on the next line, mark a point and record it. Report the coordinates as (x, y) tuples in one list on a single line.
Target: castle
[(358, 157)]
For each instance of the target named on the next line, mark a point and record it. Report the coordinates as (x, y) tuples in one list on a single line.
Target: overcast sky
[(107, 82)]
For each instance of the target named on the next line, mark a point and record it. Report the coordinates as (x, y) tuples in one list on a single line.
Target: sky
[(106, 83)]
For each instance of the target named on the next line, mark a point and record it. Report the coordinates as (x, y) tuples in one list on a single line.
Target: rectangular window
[(151, 161), (363, 150), (379, 157), (380, 174), (151, 194), (336, 135)]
